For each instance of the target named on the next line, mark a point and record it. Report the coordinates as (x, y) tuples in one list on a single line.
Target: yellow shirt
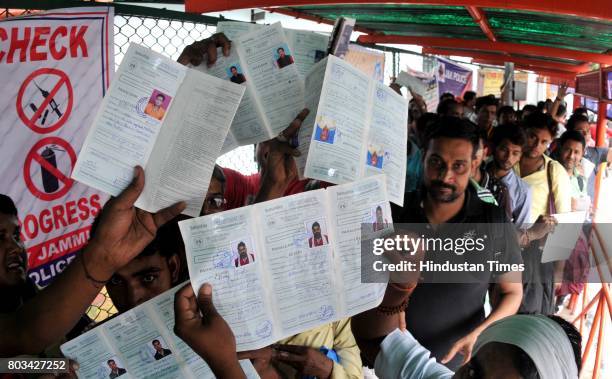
[(151, 111), (337, 336), (538, 182)]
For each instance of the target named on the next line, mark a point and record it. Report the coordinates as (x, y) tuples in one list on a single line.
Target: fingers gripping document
[(284, 266), (161, 115)]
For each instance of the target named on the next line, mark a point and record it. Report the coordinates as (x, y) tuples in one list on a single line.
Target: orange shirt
[(155, 113)]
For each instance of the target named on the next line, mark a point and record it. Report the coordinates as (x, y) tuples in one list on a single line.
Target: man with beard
[(486, 113), (318, 238), (244, 257), (507, 143), (447, 197)]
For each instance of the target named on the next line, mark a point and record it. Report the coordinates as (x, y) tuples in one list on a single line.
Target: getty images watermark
[(469, 253)]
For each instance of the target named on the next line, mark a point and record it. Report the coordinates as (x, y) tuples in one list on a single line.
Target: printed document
[(357, 127), (140, 344), (264, 63), (288, 265), (165, 117)]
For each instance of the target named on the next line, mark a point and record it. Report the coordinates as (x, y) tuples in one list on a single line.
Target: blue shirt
[(520, 198)]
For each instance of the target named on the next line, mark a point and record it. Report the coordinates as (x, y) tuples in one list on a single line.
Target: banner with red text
[(55, 67)]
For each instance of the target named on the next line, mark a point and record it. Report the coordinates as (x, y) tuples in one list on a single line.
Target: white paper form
[(122, 135), (360, 129), (165, 117), (129, 342), (299, 249), (286, 279), (385, 149), (308, 47), (365, 202), (561, 241), (214, 245), (248, 125), (270, 66)]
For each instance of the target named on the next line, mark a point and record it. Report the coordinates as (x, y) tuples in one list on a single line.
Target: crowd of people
[(474, 160)]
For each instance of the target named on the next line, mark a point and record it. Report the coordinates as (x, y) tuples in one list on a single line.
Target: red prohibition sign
[(31, 122), (34, 155)]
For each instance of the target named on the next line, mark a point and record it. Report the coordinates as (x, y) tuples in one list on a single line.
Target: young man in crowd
[(124, 231), (507, 144), (550, 189), (447, 197), (469, 101), (570, 154), (486, 112), (450, 107), (597, 155), (154, 271), (15, 287), (506, 115)]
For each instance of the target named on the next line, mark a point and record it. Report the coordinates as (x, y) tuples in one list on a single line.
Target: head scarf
[(541, 338)]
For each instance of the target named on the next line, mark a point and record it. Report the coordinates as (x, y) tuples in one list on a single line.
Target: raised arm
[(124, 232)]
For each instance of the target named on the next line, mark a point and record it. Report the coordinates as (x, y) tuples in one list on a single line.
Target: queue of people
[(473, 161)]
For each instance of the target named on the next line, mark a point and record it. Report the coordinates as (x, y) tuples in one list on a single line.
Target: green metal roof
[(534, 28)]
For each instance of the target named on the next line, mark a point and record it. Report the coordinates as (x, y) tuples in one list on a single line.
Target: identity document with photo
[(169, 119), (356, 128), (288, 265), (265, 62), (140, 344)]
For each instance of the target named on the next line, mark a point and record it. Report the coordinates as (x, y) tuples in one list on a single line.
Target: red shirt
[(243, 262), (240, 188)]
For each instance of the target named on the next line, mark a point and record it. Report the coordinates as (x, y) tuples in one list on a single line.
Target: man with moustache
[(446, 197), (318, 238)]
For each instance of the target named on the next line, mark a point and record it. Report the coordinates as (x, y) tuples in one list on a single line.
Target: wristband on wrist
[(389, 311), (96, 282)]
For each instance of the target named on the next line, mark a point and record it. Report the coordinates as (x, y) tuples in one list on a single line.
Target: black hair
[(540, 120), (241, 244), (572, 135), (512, 132), (279, 49), (110, 360), (541, 106), (468, 96), (530, 108), (575, 119), (7, 205), (379, 207), (156, 340), (316, 223), (446, 106), (504, 110), (234, 67), (581, 111), (219, 174), (447, 96), (454, 128), (160, 95), (485, 101), (574, 336)]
